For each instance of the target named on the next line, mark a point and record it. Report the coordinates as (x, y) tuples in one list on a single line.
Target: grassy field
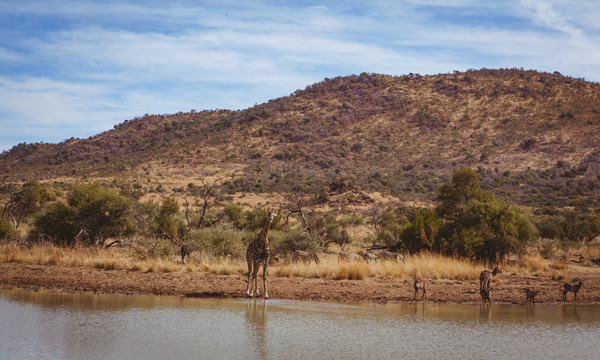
[(428, 266)]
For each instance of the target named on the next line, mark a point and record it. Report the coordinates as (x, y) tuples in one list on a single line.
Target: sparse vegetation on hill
[(533, 137)]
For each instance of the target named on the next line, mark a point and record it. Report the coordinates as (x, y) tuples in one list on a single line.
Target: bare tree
[(207, 192), (376, 219), (295, 198)]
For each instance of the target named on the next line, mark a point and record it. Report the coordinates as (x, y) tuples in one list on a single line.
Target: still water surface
[(65, 326)]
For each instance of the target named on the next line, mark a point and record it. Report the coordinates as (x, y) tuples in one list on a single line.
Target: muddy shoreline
[(506, 289)]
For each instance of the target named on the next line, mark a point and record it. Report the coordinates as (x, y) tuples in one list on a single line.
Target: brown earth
[(506, 288)]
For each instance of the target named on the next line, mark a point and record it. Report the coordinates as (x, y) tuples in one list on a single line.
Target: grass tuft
[(352, 271)]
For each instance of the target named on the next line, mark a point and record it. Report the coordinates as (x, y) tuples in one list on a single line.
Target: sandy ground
[(506, 288)]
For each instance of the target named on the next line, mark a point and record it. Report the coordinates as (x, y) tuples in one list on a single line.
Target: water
[(63, 326)]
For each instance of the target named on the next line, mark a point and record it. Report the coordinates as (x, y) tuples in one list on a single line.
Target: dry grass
[(427, 266), (424, 265), (532, 265), (431, 266), (224, 267)]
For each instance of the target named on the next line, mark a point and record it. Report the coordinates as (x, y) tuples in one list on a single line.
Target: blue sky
[(77, 68)]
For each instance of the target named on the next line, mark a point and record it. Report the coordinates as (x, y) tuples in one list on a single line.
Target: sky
[(77, 68)]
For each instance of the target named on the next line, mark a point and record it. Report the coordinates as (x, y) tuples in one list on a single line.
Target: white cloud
[(544, 12), (113, 62), (9, 55)]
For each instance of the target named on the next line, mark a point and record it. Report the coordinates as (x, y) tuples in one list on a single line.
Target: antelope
[(186, 250), (419, 284), (486, 277), (530, 295), (390, 255), (304, 256), (570, 287), (486, 295)]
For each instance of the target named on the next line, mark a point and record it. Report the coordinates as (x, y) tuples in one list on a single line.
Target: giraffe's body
[(257, 254)]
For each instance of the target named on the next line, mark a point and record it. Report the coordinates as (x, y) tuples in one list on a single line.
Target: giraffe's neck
[(263, 238)]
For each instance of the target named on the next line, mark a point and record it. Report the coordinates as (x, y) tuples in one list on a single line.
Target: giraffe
[(258, 253)]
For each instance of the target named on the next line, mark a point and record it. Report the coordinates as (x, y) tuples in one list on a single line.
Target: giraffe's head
[(271, 214)]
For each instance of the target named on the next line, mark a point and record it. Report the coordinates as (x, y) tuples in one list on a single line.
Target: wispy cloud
[(75, 68)]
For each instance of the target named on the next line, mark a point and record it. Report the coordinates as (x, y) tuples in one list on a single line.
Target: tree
[(390, 225), (421, 232), (464, 189), (208, 193), (568, 225), (166, 219), (25, 201), (295, 197), (100, 211), (286, 243), (479, 225), (58, 221)]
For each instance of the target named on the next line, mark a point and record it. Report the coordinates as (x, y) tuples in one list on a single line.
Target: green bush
[(249, 220), (58, 221), (7, 230), (421, 232), (215, 243), (390, 227), (567, 225), (100, 211), (284, 243), (152, 247), (477, 224)]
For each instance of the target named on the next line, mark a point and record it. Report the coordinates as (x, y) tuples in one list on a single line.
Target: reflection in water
[(256, 318), (62, 326), (569, 313)]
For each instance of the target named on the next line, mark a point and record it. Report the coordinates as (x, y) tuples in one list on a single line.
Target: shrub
[(479, 225), (6, 229), (59, 221), (285, 243), (100, 211), (546, 247), (216, 242), (152, 247)]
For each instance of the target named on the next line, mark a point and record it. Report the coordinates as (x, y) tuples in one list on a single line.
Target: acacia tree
[(460, 193), (101, 212), (207, 193), (295, 196), (166, 220), (24, 201), (477, 224)]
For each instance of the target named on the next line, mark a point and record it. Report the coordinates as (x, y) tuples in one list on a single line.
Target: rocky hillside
[(534, 137)]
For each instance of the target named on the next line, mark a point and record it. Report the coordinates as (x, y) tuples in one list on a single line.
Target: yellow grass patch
[(352, 271), (431, 266), (425, 265), (532, 265), (225, 267), (428, 266)]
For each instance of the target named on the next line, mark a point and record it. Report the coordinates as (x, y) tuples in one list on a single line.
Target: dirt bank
[(507, 289)]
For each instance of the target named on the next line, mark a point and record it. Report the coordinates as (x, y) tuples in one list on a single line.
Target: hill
[(534, 137)]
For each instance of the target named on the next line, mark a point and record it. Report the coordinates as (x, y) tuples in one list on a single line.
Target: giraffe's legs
[(265, 278), (256, 265), (250, 280)]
